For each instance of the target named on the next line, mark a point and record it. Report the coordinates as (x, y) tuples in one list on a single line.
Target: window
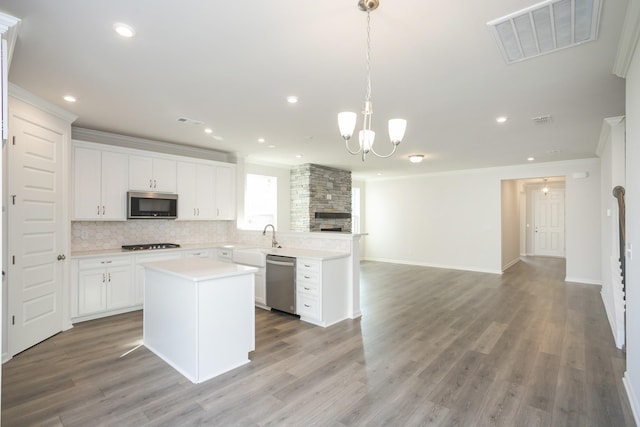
[(355, 210), (260, 201)]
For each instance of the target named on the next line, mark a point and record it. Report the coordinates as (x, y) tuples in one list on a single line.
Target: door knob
[(61, 257)]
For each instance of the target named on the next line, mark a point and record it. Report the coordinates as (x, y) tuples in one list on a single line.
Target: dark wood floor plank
[(434, 347)]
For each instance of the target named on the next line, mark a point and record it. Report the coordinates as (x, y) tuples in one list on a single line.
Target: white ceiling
[(231, 64)]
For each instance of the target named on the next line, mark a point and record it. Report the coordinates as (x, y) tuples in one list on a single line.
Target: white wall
[(510, 223), (632, 196), (453, 220), (612, 162)]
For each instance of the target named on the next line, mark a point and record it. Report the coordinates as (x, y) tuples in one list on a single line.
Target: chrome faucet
[(274, 242)]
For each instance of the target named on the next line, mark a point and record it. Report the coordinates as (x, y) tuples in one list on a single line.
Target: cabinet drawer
[(307, 288), (307, 276), (308, 266), (308, 306), (85, 264), (200, 253)]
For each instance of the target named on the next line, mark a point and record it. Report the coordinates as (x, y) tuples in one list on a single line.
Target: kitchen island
[(199, 315)]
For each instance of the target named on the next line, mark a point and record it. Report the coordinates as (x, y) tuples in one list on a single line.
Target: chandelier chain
[(368, 96)]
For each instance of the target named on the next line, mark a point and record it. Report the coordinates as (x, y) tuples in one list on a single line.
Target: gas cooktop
[(146, 246)]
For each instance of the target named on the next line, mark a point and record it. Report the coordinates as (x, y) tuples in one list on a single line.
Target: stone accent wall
[(316, 188)]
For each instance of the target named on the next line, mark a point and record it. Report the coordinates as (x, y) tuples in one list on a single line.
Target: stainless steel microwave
[(141, 205)]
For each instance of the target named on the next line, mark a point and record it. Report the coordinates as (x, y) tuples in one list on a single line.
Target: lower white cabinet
[(104, 284), (150, 257), (321, 290), (260, 288)]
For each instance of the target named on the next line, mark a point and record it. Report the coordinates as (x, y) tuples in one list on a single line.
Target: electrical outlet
[(328, 196)]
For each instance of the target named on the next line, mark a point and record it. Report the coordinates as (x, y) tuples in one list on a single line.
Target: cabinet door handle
[(98, 211), (155, 184), (198, 209), (307, 277), (217, 211), (194, 211), (307, 289), (104, 277), (61, 257), (307, 265), (307, 305), (103, 210), (150, 183), (109, 277)]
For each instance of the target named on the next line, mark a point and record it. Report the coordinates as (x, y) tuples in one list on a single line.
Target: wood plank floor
[(434, 347)]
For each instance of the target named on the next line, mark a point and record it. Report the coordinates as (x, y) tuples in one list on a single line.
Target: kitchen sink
[(251, 256)]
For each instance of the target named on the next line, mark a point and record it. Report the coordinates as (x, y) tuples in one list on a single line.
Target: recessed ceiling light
[(271, 146), (501, 119), (379, 174), (124, 30), (416, 158), (69, 98), (208, 130), (298, 156), (260, 140), (292, 99), (531, 159)]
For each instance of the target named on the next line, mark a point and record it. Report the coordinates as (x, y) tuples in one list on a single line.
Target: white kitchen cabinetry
[(99, 184), (152, 174), (260, 288), (197, 253), (321, 291), (195, 185), (225, 192), (104, 285), (139, 279)]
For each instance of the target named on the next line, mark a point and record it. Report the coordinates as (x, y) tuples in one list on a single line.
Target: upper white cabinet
[(99, 184), (152, 174), (225, 192), (195, 191)]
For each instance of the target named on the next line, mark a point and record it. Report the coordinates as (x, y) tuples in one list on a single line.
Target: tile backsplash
[(99, 235)]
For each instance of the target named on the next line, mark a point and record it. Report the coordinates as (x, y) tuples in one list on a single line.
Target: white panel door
[(35, 237), (549, 223)]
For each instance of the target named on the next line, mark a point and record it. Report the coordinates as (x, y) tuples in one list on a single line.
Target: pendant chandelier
[(347, 120)]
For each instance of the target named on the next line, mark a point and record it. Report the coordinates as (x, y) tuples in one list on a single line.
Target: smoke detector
[(189, 121), (546, 27)]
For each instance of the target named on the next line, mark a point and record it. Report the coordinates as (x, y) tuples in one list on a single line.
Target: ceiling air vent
[(546, 27), (542, 120)]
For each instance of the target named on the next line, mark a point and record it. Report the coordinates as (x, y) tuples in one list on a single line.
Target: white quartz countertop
[(304, 253), (291, 252), (199, 269), (120, 251)]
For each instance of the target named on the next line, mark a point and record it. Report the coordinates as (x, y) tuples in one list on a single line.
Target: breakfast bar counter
[(199, 315)]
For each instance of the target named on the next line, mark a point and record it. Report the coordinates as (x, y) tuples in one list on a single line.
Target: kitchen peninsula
[(199, 315)]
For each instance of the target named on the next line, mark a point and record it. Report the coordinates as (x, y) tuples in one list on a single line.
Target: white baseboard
[(618, 335), (423, 264), (633, 398), (510, 264), (584, 281)]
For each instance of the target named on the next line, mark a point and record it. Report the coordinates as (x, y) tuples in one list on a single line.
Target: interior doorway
[(533, 218)]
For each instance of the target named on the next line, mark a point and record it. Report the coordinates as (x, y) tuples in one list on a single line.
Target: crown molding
[(605, 131), (26, 96), (9, 29), (628, 39), (126, 141)]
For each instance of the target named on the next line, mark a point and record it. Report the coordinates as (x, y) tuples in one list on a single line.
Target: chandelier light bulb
[(347, 120)]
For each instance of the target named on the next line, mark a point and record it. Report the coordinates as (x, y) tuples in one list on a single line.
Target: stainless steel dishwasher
[(281, 283)]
